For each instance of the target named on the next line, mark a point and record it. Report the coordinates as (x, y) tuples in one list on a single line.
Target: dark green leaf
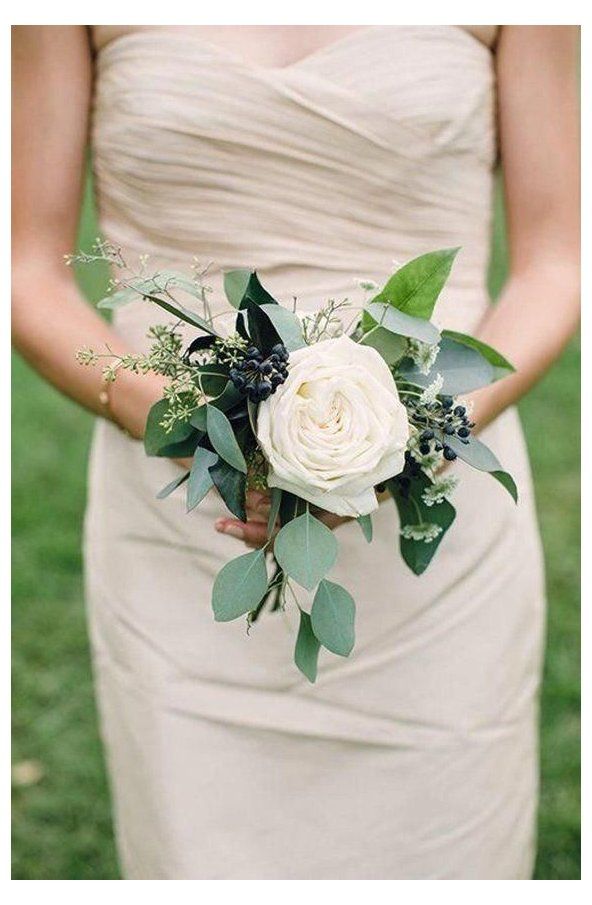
[(156, 438), (200, 479), (172, 486), (365, 523), (332, 618), (183, 449), (255, 293), (222, 438), (239, 586), (307, 649), (507, 481), (232, 487), (415, 287), (402, 324), (235, 285), (411, 508), (306, 550)]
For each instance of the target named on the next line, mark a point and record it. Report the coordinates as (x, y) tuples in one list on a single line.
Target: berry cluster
[(258, 377), (445, 420)]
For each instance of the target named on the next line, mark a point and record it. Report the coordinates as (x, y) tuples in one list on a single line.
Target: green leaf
[(287, 325), (200, 479), (411, 508), (166, 491), (239, 586), (306, 550), (306, 653), (235, 285), (332, 618), (227, 399), (255, 293), (232, 487), (156, 438), (276, 502), (501, 365), (365, 523), (415, 287), (507, 481), (462, 368), (480, 456), (222, 438), (184, 449), (402, 324), (391, 346)]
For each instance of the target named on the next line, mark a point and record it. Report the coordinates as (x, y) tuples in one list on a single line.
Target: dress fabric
[(416, 757)]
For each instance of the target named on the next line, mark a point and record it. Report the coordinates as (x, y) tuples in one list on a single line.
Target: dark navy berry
[(446, 401), (449, 454), (463, 432), (449, 430), (460, 410), (426, 435), (424, 448)]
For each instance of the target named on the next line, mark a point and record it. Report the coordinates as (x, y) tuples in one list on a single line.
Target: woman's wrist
[(130, 398)]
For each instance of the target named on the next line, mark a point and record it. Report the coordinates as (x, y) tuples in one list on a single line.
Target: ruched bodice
[(415, 758), (314, 173)]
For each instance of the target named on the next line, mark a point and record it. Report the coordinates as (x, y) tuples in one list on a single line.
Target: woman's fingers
[(253, 533)]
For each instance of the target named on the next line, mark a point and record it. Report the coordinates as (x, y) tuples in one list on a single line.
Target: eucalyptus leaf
[(184, 449), (332, 618), (391, 346), (227, 399), (182, 313), (176, 482), (276, 502), (235, 285), (415, 287), (306, 550), (403, 324), (239, 586), (365, 523), (287, 325), (462, 369), (501, 366), (478, 455), (200, 479), (232, 487), (222, 438), (306, 653)]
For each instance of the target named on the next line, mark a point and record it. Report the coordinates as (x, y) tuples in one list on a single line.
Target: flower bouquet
[(321, 414)]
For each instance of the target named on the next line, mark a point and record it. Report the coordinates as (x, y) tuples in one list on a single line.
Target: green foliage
[(332, 618), (239, 586), (463, 369), (402, 324), (221, 436), (365, 523), (200, 479), (501, 365), (232, 487), (477, 454), (306, 550), (306, 653), (62, 823), (287, 325), (235, 285), (172, 485), (157, 440), (412, 510), (415, 287), (391, 346)]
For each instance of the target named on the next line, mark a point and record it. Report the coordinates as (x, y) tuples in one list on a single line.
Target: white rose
[(335, 428)]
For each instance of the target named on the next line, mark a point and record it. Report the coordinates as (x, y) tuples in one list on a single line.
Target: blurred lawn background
[(62, 824)]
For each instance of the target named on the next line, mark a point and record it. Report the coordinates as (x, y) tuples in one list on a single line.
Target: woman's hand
[(254, 530)]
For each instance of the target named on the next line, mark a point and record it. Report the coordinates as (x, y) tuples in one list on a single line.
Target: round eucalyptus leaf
[(332, 618), (239, 586), (306, 550)]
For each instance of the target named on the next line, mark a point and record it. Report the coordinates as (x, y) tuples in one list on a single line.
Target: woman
[(315, 153)]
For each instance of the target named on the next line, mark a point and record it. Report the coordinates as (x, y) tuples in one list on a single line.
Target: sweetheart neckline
[(256, 68)]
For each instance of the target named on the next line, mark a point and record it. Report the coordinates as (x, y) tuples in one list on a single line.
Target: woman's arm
[(538, 310), (51, 98)]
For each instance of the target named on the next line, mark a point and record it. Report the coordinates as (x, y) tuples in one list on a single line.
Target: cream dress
[(416, 757)]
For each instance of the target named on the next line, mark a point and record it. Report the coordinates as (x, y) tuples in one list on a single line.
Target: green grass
[(62, 824)]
